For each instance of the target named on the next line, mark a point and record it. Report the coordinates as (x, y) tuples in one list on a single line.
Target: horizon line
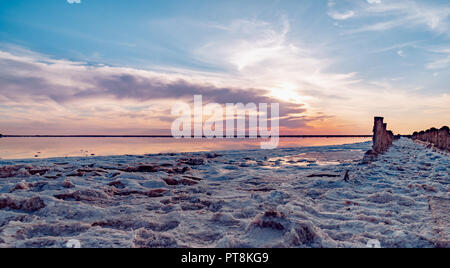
[(170, 136)]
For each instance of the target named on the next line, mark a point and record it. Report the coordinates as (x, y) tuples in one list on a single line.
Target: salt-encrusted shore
[(297, 197)]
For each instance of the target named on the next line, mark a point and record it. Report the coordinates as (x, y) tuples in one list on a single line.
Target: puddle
[(311, 159)]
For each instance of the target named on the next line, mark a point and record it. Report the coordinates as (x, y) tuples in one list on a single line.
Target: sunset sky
[(117, 67)]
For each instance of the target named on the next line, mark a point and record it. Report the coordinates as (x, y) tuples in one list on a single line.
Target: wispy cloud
[(401, 53), (401, 14), (439, 64), (441, 59), (263, 55), (342, 15), (413, 44)]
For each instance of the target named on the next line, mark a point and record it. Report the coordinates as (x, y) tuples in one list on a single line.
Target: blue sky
[(341, 61)]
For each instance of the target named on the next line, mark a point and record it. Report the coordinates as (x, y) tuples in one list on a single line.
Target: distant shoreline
[(168, 136)]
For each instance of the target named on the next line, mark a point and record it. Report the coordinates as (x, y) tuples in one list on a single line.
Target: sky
[(117, 67)]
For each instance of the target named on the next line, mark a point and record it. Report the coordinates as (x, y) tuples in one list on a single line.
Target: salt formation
[(288, 197), (438, 138)]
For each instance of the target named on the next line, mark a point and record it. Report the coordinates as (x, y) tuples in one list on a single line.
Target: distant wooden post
[(438, 138)]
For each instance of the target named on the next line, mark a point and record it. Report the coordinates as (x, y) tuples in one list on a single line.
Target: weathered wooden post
[(382, 139), (440, 139)]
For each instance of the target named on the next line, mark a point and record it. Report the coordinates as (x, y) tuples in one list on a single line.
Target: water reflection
[(329, 158), (18, 148)]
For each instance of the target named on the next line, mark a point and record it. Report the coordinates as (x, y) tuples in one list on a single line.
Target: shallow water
[(328, 158), (20, 148)]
